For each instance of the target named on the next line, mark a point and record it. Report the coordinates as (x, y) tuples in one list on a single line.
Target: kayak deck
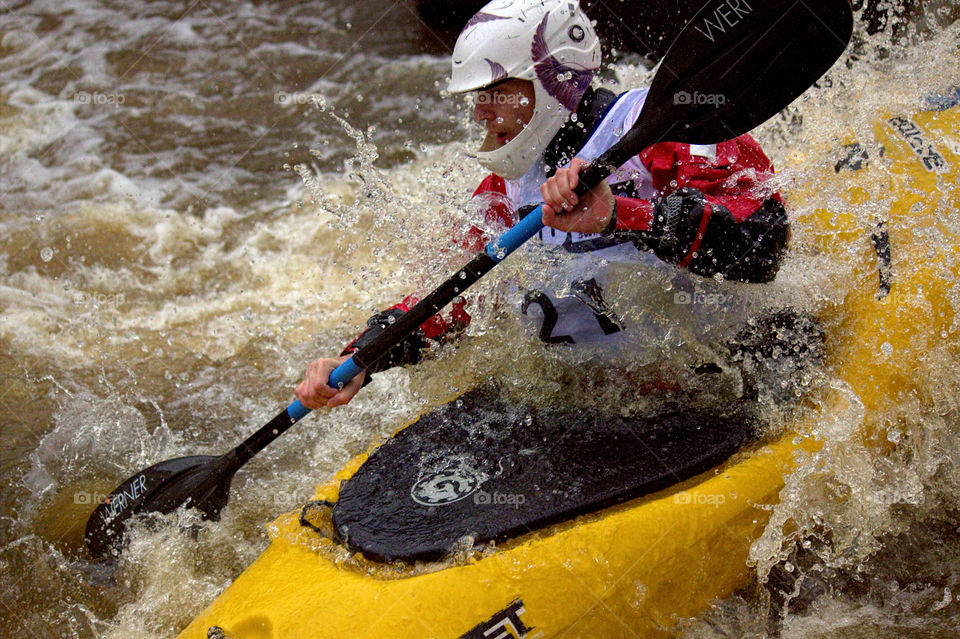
[(482, 469)]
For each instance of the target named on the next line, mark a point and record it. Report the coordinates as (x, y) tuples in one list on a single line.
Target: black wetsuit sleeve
[(704, 237)]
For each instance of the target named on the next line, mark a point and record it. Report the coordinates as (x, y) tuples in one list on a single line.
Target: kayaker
[(706, 208)]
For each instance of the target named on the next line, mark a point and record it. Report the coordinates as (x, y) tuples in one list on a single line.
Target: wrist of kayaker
[(611, 226)]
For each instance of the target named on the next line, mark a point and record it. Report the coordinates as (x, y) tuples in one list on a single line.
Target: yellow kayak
[(640, 567)]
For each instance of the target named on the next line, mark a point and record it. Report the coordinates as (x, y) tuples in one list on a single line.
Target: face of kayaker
[(505, 108)]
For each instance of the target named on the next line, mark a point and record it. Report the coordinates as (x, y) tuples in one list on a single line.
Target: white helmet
[(549, 42)]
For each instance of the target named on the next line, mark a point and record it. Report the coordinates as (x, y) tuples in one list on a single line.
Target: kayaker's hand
[(564, 211), (313, 392)]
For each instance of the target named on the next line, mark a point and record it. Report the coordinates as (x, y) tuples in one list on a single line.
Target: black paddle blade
[(201, 482), (735, 65)]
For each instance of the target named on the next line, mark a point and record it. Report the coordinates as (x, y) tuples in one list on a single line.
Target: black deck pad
[(490, 470)]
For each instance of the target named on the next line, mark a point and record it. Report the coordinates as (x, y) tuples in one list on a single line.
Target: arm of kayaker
[(498, 215), (714, 213), (313, 392), (718, 211)]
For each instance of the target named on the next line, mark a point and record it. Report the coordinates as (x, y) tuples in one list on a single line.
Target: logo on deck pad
[(444, 487)]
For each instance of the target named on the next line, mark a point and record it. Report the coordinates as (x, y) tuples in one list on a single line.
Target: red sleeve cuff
[(437, 325), (634, 214)]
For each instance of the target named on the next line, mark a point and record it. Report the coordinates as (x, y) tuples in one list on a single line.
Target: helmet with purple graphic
[(549, 42)]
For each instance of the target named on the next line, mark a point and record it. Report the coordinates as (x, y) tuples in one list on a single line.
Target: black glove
[(409, 351)]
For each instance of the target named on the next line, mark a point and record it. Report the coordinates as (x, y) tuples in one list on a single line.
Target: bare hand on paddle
[(565, 211), (313, 392)]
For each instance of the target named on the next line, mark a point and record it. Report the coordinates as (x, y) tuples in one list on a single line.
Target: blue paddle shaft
[(498, 250), (510, 241)]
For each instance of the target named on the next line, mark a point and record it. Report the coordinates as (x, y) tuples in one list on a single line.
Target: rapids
[(197, 198)]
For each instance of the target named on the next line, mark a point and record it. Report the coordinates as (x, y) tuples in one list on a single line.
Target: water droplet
[(46, 254)]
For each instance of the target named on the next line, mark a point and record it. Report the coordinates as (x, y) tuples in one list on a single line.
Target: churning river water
[(199, 197)]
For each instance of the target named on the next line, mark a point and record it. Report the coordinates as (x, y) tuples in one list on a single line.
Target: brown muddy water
[(167, 272)]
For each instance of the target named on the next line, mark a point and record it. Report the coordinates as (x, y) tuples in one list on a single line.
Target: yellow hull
[(593, 577), (639, 568)]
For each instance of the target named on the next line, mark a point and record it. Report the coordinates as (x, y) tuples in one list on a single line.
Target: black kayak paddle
[(735, 64)]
